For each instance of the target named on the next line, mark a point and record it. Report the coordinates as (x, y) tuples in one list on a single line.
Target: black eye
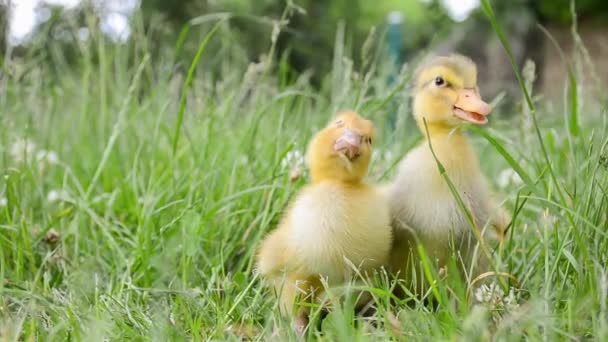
[(439, 81), (339, 122), (369, 140)]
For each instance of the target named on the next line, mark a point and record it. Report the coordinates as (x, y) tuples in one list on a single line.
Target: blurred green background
[(60, 30)]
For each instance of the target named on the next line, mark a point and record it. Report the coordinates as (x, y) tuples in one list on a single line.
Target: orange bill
[(470, 107)]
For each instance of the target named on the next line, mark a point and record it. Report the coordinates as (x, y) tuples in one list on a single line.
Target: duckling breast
[(336, 229), (421, 198)]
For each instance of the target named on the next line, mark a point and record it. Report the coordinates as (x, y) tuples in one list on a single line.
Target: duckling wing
[(272, 256)]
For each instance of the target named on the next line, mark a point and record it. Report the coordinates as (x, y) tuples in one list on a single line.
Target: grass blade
[(188, 83), (463, 207), (508, 157)]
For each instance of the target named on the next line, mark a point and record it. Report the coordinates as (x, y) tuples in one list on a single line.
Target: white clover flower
[(293, 162), (3, 202), (22, 150), (57, 196), (510, 301), (508, 177), (44, 156), (494, 297), (293, 159), (489, 294)]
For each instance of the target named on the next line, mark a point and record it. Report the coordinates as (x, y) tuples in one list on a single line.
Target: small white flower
[(489, 294), (3, 202), (293, 162), (41, 155), (508, 177), (494, 297), (57, 195), (510, 301), (22, 150), (52, 158), (294, 159), (44, 156)]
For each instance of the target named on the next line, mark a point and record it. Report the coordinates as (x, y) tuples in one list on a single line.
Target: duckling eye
[(339, 123), (368, 140), (439, 81)]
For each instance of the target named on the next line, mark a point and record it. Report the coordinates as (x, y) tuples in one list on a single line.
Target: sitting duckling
[(334, 223), (423, 209)]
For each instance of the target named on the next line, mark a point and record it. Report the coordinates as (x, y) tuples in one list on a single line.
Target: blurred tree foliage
[(62, 38), (306, 42), (559, 11), (62, 32), (309, 38), (3, 28)]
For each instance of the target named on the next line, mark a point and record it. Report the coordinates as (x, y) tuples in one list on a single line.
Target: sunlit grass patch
[(131, 205)]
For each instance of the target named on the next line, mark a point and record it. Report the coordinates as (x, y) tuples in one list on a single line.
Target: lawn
[(133, 199)]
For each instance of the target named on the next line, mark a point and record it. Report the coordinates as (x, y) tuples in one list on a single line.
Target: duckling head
[(446, 94), (342, 150)]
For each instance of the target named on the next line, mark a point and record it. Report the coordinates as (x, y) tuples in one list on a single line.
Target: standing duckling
[(334, 223), (423, 209)]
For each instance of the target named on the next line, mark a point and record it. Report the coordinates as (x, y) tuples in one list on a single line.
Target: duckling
[(333, 223), (423, 209)]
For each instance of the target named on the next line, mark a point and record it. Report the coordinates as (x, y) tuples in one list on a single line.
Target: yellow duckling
[(423, 208), (334, 223)]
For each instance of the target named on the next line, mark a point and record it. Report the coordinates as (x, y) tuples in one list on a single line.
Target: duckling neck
[(440, 131), (317, 179), (332, 172), (452, 148)]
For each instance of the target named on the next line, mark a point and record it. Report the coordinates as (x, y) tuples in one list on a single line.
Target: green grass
[(148, 244)]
